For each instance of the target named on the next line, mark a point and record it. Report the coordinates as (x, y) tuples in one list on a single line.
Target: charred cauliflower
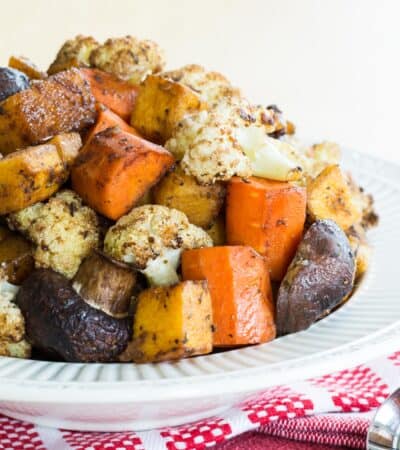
[(211, 86), (128, 58), (215, 147), (63, 230), (74, 53), (151, 238), (12, 324)]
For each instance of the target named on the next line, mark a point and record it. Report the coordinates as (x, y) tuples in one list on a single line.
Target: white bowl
[(111, 397)]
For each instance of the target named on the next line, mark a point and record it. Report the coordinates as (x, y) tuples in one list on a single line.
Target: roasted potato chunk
[(329, 197), (201, 203), (360, 247), (31, 175), (26, 66), (319, 278), (160, 105), (61, 103), (74, 53), (16, 260), (216, 231), (183, 326)]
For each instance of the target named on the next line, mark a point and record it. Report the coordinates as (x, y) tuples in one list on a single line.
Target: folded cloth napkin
[(302, 411)]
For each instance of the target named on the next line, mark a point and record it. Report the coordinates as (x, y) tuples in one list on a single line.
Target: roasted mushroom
[(105, 284), (58, 321), (319, 278), (11, 82)]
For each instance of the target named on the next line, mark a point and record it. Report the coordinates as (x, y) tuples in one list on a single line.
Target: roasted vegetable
[(63, 230), (319, 278), (268, 216), (216, 231), (35, 173), (171, 323), (361, 249), (59, 321), (27, 67), (12, 324), (151, 238), (65, 104), (107, 119), (74, 53), (11, 82), (128, 58), (238, 280), (115, 169), (105, 284), (160, 105), (16, 260), (329, 197), (115, 94), (200, 203)]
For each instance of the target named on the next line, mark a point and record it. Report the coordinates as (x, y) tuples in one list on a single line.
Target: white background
[(331, 65)]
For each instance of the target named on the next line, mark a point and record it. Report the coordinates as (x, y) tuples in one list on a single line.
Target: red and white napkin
[(334, 409)]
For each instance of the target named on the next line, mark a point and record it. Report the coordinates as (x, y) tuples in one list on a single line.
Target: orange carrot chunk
[(107, 119), (268, 216), (115, 169), (116, 94), (238, 280)]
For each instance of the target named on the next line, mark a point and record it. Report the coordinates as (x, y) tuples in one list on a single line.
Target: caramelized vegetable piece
[(115, 94), (11, 82), (268, 216), (201, 203), (31, 175), (16, 260), (319, 278), (360, 247), (216, 231), (58, 321), (26, 66), (329, 197), (171, 323), (62, 103), (108, 119), (240, 290), (116, 169), (105, 284), (160, 105)]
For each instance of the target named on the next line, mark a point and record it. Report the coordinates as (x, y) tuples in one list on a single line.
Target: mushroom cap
[(58, 320)]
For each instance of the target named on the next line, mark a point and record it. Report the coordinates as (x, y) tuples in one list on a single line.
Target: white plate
[(109, 397)]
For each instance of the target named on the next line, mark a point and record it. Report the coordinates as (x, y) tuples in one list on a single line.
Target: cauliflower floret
[(151, 238), (209, 148), (211, 86), (74, 53), (128, 58), (12, 324), (63, 230), (215, 147)]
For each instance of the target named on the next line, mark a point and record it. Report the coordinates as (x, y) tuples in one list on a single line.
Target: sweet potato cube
[(238, 280), (268, 216), (117, 95), (59, 104), (160, 105), (107, 119), (172, 322), (35, 173), (115, 169)]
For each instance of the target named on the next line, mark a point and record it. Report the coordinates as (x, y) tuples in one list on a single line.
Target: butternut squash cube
[(171, 323)]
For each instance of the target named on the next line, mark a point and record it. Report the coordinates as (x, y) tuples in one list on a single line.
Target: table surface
[(331, 66)]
